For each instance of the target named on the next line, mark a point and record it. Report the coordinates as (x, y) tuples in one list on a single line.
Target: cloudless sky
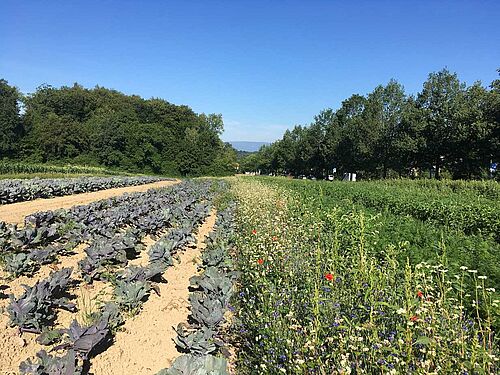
[(265, 65)]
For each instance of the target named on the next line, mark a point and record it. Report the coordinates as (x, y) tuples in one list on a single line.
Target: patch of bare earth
[(146, 344), (16, 212), (16, 347)]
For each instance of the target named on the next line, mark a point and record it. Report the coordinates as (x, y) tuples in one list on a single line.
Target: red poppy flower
[(260, 261), (420, 294), (275, 238), (414, 318), (329, 276), (254, 231)]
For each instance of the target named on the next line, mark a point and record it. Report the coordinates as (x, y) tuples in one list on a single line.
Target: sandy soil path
[(16, 212), (146, 345)]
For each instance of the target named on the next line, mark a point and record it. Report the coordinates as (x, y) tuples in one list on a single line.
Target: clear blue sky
[(265, 65)]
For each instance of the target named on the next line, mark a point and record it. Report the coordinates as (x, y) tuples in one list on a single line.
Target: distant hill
[(247, 145)]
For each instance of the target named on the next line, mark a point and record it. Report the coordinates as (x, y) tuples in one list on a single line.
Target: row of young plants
[(12, 191), (469, 213), (314, 297), (101, 224), (486, 189), (203, 337), (13, 167), (132, 286)]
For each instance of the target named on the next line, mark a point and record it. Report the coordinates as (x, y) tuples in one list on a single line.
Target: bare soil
[(15, 348), (145, 346), (16, 212)]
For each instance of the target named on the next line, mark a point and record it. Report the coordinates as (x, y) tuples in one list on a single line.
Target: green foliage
[(456, 211), (189, 364), (424, 218), (10, 129), (49, 364), (106, 128), (12, 167), (323, 291), (448, 127), (35, 307)]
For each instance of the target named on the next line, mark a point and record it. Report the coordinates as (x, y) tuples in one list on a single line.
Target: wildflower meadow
[(322, 290)]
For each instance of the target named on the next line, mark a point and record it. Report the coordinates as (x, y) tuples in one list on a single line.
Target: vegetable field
[(10, 167), (12, 191), (257, 276)]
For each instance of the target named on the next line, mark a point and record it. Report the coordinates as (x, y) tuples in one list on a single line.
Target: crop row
[(202, 338), (47, 234), (114, 238), (12, 191), (471, 216), (486, 189), (11, 167)]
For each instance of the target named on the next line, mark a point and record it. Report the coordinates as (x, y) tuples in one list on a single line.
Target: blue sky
[(265, 65)]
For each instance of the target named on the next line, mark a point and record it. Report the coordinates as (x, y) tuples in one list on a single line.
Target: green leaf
[(423, 340)]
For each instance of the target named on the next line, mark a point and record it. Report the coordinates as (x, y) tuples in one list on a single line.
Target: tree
[(446, 125), (469, 153), (10, 122), (384, 112), (492, 114), (59, 138), (214, 122), (441, 99), (105, 127), (355, 147)]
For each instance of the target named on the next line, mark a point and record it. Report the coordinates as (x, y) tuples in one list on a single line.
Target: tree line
[(448, 128), (104, 127)]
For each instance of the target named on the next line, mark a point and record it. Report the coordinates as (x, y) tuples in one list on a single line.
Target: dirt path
[(16, 212), (146, 345)]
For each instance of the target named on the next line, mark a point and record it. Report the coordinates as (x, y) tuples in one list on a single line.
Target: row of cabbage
[(115, 222), (114, 229), (12, 191), (202, 338), (132, 287)]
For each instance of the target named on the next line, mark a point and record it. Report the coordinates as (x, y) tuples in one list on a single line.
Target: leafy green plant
[(131, 295), (196, 341), (50, 336), (53, 365), (36, 305), (192, 365)]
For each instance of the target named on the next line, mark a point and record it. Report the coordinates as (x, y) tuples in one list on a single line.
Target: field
[(257, 276), (356, 278), (11, 168)]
